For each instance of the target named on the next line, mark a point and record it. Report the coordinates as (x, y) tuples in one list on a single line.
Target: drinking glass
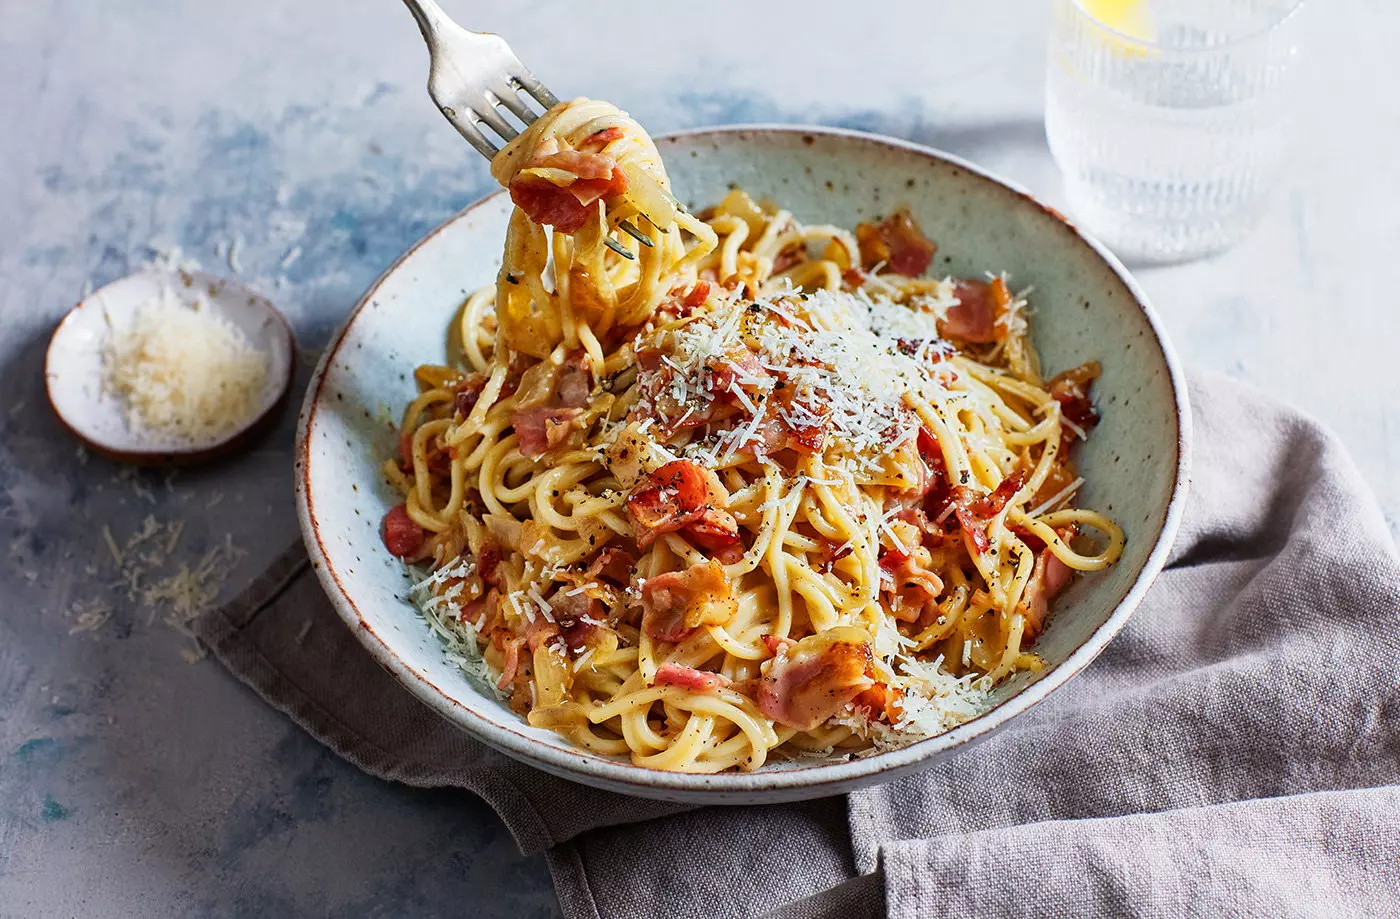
[(1171, 120)]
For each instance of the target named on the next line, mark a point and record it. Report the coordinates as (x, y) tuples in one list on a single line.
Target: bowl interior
[(1084, 308)]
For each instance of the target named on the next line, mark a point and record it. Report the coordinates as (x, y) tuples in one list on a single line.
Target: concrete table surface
[(135, 783)]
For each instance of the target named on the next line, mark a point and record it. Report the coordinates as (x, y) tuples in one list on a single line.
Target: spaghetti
[(758, 487)]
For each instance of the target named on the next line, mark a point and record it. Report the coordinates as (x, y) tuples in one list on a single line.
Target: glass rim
[(1118, 35)]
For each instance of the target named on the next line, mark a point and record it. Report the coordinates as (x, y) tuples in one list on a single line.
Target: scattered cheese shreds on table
[(143, 563), (88, 615)]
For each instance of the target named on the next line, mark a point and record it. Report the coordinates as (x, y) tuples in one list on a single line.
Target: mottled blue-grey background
[(134, 783)]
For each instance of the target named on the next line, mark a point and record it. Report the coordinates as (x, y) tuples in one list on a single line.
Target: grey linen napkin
[(1235, 752)]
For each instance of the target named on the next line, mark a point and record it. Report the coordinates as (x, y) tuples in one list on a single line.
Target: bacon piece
[(471, 612), (776, 645), (814, 679), (772, 435), (666, 500), (551, 401), (976, 317), (1071, 390), (540, 631), (613, 565), (677, 497), (682, 301), (486, 610), (600, 139), (914, 588), (402, 537), (510, 647), (676, 602), (579, 635), (575, 380), (974, 510), (897, 242), (649, 359), (934, 487), (881, 702), (930, 451), (718, 534), (900, 567), (583, 165), (918, 517), (567, 207), (548, 204), (991, 505), (734, 370), (691, 415), (567, 607), (974, 529), (572, 612), (831, 553), (487, 561), (697, 295), (1049, 577), (541, 429), (673, 674), (468, 394), (890, 559), (788, 257), (1032, 541), (964, 501), (809, 434)]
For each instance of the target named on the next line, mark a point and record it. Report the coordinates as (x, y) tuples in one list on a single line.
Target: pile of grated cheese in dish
[(183, 372)]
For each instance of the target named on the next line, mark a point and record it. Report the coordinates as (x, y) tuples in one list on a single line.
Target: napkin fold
[(1235, 751)]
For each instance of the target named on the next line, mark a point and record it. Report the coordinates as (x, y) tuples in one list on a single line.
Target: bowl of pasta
[(743, 464)]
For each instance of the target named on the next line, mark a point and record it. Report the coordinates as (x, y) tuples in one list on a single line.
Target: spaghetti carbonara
[(757, 487)]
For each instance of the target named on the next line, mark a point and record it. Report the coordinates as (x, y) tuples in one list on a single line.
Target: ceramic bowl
[(1086, 306)]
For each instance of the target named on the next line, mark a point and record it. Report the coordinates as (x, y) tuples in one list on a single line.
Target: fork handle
[(430, 18)]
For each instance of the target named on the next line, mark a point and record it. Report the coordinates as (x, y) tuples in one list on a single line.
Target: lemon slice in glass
[(1130, 19)]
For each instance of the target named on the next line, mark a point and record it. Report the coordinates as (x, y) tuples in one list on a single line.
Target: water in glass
[(1170, 147)]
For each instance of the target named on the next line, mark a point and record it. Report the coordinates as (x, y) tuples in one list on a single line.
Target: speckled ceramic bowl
[(1086, 306)]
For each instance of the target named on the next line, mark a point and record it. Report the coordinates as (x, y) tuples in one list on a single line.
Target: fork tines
[(487, 112), (476, 80)]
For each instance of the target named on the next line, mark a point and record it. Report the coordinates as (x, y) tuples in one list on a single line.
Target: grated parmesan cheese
[(846, 360), (459, 637), (146, 573), (88, 615), (184, 372), (190, 591), (1056, 498), (933, 701)]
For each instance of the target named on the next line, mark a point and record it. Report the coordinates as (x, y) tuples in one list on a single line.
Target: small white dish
[(73, 367)]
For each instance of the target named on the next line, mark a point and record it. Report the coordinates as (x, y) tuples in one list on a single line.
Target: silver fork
[(472, 76)]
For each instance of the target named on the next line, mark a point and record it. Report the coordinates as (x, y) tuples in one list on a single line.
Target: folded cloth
[(1233, 752)]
